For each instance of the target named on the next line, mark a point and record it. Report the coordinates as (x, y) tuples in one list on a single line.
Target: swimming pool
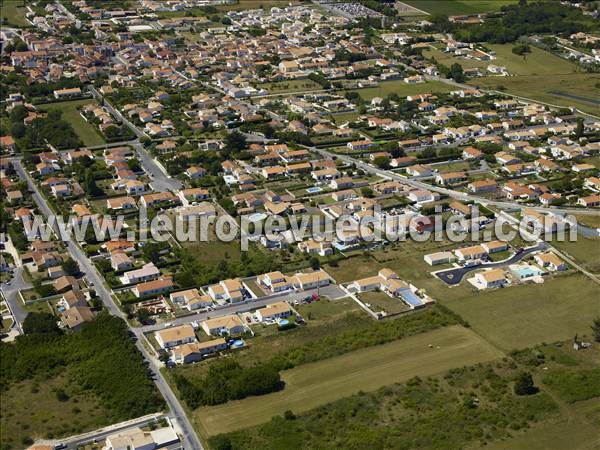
[(257, 217), (527, 272), (313, 190)]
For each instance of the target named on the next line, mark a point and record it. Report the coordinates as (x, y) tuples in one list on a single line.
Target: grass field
[(538, 62), (585, 252), (402, 89), (550, 88), (522, 316), (283, 87), (514, 317), (33, 411), (255, 4), (457, 7), (86, 131), (311, 385), (14, 12), (589, 221)]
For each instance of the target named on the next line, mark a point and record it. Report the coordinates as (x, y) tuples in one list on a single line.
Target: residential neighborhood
[(231, 224)]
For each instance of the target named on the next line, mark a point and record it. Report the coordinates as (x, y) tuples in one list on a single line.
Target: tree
[(70, 267), (457, 73), (40, 322), (596, 329), (382, 162), (524, 384), (367, 192), (142, 315), (91, 188), (579, 131), (315, 263), (521, 50), (235, 141)]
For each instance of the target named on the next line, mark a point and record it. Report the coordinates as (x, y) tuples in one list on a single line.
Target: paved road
[(328, 291), (454, 276), (177, 412), (441, 190), (161, 181), (11, 294)]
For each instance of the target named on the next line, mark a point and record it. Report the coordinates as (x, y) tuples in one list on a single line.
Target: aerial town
[(293, 224)]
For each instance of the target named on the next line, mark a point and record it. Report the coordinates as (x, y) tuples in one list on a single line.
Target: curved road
[(454, 276)]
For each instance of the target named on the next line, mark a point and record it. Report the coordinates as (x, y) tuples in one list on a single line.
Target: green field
[(521, 316), (399, 87), (538, 62), (584, 251), (283, 87), (13, 11), (311, 385), (87, 132), (31, 410), (458, 7), (550, 88), (514, 317), (471, 407)]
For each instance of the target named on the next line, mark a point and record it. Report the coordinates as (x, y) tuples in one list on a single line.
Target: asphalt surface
[(454, 276), (330, 291), (190, 439)]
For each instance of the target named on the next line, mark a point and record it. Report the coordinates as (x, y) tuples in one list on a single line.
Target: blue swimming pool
[(313, 190), (283, 322), (409, 297), (526, 272)]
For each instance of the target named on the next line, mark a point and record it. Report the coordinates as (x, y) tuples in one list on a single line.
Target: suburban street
[(431, 187), (190, 439), (454, 276), (331, 291)]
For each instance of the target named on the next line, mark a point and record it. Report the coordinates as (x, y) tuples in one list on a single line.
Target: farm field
[(553, 89), (311, 385), (522, 316), (457, 7), (14, 12), (399, 87), (38, 406), (538, 62), (86, 132)]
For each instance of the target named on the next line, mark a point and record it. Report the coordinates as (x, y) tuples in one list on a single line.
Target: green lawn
[(458, 7), (31, 410), (399, 87), (550, 88), (538, 62), (312, 385), (87, 132), (14, 12)]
